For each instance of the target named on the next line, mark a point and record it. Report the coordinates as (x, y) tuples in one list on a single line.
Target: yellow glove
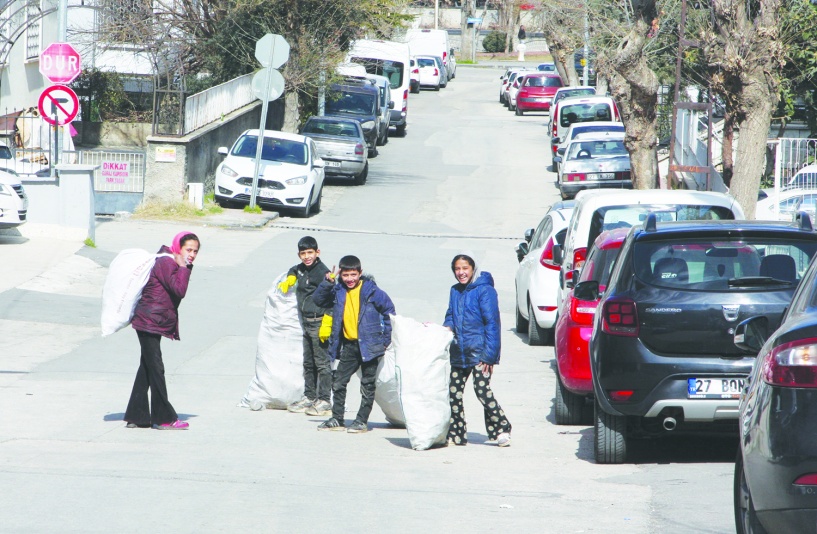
[(288, 282), (326, 328)]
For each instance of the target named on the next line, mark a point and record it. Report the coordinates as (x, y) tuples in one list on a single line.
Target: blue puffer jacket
[(473, 316), (373, 322)]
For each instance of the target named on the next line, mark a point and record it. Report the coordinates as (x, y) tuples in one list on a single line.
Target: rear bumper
[(347, 167), (572, 357), (532, 106), (398, 117), (571, 188)]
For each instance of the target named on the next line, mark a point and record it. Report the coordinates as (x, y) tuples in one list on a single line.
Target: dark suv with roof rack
[(662, 353)]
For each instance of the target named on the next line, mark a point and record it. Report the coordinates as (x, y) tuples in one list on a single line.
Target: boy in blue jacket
[(361, 331)]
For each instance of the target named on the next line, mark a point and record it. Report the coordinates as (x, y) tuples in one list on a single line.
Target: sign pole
[(261, 129)]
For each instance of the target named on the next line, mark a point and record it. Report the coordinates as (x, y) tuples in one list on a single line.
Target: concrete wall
[(66, 201), (112, 134)]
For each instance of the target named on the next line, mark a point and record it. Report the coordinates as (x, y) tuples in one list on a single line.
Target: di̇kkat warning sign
[(115, 172)]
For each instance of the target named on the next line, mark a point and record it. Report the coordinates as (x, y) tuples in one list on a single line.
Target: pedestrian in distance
[(157, 315), (317, 324), (361, 331), (522, 35), (473, 317)]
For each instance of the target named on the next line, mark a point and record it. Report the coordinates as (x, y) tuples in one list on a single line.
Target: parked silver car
[(341, 145), (597, 163)]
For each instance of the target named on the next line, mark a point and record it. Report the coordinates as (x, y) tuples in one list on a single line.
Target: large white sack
[(387, 394), (279, 359), (423, 372), (127, 277)]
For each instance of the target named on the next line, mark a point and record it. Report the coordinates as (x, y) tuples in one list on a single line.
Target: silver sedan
[(593, 164)]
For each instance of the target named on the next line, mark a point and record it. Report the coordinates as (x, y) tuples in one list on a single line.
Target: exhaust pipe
[(670, 423)]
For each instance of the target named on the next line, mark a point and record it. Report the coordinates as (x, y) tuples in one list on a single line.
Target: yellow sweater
[(351, 312)]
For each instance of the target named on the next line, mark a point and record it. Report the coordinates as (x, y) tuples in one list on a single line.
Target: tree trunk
[(467, 41), (727, 148), (565, 65), (751, 149), (291, 112)]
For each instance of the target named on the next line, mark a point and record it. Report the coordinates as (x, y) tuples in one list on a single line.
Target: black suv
[(662, 352), (357, 99)]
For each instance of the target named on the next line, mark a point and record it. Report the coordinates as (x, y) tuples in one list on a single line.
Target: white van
[(389, 59), (432, 43), (13, 201)]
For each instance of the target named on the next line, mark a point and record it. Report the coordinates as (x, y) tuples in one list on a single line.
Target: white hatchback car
[(537, 279), (429, 72), (291, 175), (789, 202), (13, 201)]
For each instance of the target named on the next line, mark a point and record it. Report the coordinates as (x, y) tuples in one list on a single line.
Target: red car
[(574, 327), (536, 91)]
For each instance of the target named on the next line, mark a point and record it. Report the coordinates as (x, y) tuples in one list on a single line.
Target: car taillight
[(619, 317), (436, 72), (359, 149), (792, 364), (405, 100), (625, 175), (579, 256), (547, 256), (575, 177), (582, 311), (806, 480), (615, 113), (445, 55), (416, 71)]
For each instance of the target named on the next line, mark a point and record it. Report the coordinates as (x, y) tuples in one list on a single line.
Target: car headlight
[(228, 171), (298, 180), (5, 190), (368, 125)]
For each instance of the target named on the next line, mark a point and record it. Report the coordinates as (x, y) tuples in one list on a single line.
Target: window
[(33, 13), (282, 150), (393, 70)]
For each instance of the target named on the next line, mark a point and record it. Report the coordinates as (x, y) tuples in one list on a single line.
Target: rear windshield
[(282, 150), (353, 103), (599, 266), (577, 130), (426, 62), (612, 217), (577, 92), (596, 149), (721, 264), (572, 113), (393, 70), (544, 81), (340, 129)]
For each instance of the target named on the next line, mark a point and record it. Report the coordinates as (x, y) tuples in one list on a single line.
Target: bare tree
[(563, 25)]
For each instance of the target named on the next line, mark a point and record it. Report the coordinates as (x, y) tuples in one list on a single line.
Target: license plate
[(606, 176), (543, 99), (715, 388), (331, 163), (261, 192)]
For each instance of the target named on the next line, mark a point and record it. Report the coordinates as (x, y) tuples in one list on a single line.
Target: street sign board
[(474, 20), (60, 63), (272, 51), (58, 105), (260, 83)]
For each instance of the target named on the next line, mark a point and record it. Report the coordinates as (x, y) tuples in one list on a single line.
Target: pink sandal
[(177, 425)]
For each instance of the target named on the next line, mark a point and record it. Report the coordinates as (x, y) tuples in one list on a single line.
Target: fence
[(795, 176), (210, 105)]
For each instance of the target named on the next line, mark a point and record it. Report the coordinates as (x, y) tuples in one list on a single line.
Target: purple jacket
[(158, 310)]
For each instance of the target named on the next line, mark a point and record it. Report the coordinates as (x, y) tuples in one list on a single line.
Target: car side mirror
[(560, 151), (751, 334), (319, 163), (556, 141), (571, 281), (391, 104), (529, 234), (557, 159), (558, 254), (451, 51), (521, 251), (587, 290), (223, 150)]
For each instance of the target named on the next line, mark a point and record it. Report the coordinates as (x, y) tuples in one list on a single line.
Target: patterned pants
[(495, 421)]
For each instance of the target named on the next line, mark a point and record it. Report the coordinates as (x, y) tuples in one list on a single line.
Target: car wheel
[(521, 322), (316, 208), (569, 406), (380, 141), (401, 130), (305, 211), (610, 444), (437, 88), (386, 136), (536, 334), (501, 99), (562, 193), (373, 151), (746, 521), (360, 179), (511, 107), (519, 112)]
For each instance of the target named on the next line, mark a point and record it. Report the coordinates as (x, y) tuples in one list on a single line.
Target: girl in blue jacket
[(473, 316)]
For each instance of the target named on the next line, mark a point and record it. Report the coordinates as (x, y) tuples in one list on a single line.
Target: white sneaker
[(503, 440)]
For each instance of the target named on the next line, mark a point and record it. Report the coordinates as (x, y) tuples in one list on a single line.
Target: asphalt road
[(469, 176)]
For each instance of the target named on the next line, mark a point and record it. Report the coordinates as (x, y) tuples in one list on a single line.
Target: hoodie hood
[(483, 278)]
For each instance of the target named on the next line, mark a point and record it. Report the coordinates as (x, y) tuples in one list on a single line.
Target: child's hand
[(333, 274), (287, 283), (325, 329), (486, 369)]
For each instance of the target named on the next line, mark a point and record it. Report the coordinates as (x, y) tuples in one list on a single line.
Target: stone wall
[(112, 134)]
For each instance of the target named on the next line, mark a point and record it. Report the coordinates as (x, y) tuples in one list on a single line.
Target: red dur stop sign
[(60, 63)]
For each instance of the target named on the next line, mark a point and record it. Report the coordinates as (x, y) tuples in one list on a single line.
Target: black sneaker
[(332, 424), (357, 428)]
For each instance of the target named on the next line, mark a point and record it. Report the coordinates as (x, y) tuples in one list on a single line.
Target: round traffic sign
[(260, 84), (58, 105), (272, 50), (60, 63)]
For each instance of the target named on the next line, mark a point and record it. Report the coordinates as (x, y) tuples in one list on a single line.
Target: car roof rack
[(804, 220), (650, 223)]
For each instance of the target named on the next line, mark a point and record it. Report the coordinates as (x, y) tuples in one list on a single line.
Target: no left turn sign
[(58, 105)]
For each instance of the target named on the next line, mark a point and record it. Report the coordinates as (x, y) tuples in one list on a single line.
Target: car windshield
[(723, 264), (580, 130), (586, 112), (339, 129), (577, 92), (547, 67), (353, 103), (393, 70), (543, 81), (599, 266), (426, 62), (282, 150), (596, 149), (611, 217)]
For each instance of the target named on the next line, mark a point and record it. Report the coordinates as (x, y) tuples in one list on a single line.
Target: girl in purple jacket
[(157, 315)]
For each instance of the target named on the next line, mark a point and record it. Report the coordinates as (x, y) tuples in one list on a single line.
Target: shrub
[(494, 42)]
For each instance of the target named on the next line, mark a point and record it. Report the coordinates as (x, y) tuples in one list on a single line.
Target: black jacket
[(308, 280)]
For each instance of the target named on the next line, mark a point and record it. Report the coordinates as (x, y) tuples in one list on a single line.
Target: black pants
[(151, 375), (317, 371), (495, 421), (350, 361)]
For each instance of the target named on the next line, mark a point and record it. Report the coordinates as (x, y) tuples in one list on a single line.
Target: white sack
[(279, 359), (387, 394), (423, 371), (127, 277)]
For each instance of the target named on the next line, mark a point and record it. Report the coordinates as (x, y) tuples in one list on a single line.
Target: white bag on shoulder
[(279, 359), (423, 373), (127, 277)]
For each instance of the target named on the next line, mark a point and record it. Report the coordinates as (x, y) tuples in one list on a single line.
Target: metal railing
[(208, 106)]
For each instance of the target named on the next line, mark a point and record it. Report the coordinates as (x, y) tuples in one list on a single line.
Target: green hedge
[(494, 42)]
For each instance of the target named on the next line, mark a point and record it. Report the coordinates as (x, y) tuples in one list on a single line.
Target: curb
[(222, 220)]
